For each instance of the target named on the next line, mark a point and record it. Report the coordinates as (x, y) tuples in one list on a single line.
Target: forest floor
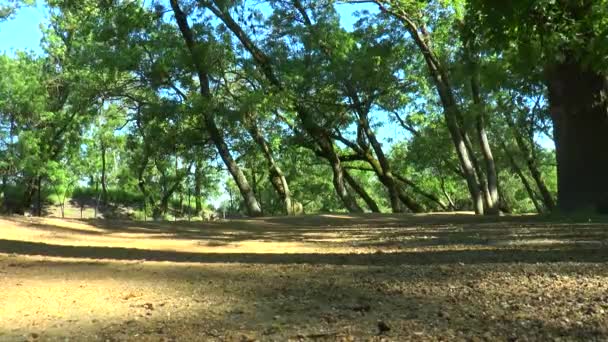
[(313, 278)]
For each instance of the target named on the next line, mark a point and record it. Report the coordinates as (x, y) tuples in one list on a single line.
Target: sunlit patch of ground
[(331, 277)]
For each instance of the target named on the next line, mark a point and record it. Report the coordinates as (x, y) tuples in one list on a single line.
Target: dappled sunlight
[(55, 297), (317, 279)]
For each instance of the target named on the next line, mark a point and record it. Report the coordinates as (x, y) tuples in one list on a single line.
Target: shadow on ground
[(372, 239), (427, 277)]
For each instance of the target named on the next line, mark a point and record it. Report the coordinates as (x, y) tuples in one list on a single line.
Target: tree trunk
[(451, 110), (142, 184), (39, 186), (447, 196), (523, 178), (579, 108), (532, 164), (197, 187), (371, 204), (338, 180), (251, 203), (493, 198), (466, 163), (421, 192), (29, 193), (275, 174), (385, 174), (104, 188)]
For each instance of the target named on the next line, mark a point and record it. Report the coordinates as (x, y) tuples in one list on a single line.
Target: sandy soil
[(314, 278)]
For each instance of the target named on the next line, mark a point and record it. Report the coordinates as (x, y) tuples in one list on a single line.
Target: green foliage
[(115, 102)]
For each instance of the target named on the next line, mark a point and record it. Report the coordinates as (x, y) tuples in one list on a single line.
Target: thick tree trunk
[(275, 174), (251, 203), (369, 201), (338, 180), (579, 108), (28, 194), (417, 189), (465, 162), (141, 183), (447, 196)]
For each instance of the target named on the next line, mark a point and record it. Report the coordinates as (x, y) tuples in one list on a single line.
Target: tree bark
[(385, 174), (39, 187), (275, 174), (579, 108), (369, 201), (420, 191), (447, 196), (29, 193), (493, 198), (251, 203), (522, 177), (197, 187), (338, 180), (532, 164), (104, 189)]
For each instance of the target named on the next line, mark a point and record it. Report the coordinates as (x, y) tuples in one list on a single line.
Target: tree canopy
[(187, 108)]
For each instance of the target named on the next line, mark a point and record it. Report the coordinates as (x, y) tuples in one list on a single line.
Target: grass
[(311, 278)]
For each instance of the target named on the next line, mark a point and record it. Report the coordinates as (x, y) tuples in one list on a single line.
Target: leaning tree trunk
[(579, 108), (532, 164), (385, 174), (338, 180), (198, 175), (493, 199), (104, 188), (451, 110), (252, 204), (39, 187), (28, 194), (275, 174), (522, 177), (417, 189), (373, 206)]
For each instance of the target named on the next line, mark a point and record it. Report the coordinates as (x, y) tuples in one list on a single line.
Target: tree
[(253, 207), (566, 42)]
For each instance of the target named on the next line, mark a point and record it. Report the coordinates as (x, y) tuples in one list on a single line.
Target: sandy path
[(433, 277)]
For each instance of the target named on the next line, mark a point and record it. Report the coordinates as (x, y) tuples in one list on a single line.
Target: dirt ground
[(314, 278)]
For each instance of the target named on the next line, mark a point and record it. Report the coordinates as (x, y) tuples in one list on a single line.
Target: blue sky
[(23, 31)]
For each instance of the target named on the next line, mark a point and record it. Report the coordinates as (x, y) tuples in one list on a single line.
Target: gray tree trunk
[(251, 203)]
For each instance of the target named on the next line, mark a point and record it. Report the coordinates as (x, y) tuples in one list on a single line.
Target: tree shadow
[(363, 231), (281, 304), (501, 255)]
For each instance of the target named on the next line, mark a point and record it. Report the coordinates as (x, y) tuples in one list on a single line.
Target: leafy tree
[(566, 43)]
